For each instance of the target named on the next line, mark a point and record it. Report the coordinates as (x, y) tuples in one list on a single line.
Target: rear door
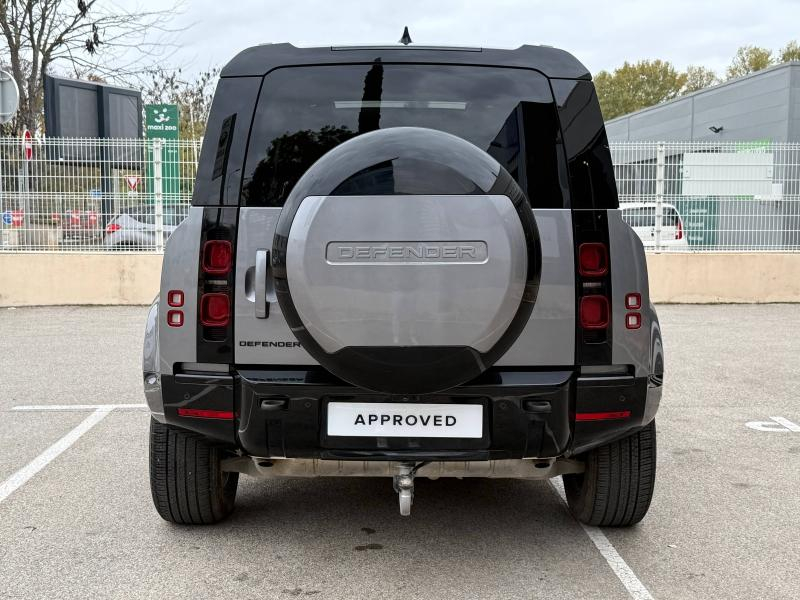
[(303, 112)]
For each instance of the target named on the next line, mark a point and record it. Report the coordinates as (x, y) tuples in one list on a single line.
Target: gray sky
[(602, 34)]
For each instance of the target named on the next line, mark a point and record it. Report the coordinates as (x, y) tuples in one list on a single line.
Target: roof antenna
[(406, 39)]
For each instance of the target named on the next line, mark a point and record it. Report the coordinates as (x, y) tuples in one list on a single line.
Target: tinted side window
[(305, 111), (233, 105), (591, 173)]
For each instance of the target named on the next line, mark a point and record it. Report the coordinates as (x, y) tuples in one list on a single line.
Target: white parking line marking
[(29, 407), (621, 569), (777, 424), (19, 478)]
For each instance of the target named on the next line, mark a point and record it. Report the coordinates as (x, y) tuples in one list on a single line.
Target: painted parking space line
[(18, 479), (44, 407), (624, 573)]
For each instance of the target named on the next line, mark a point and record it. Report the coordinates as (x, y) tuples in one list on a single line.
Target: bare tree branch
[(91, 37)]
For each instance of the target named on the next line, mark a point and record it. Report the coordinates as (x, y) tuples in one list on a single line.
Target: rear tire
[(617, 486), (188, 484)]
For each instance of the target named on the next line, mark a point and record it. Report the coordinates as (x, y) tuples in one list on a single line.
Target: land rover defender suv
[(404, 262)]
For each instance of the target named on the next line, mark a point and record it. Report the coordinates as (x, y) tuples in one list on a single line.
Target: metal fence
[(711, 197), (93, 194), (124, 195)]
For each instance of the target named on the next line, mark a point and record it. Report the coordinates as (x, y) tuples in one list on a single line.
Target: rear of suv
[(404, 262)]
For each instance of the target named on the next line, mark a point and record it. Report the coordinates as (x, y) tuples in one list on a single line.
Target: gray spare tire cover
[(406, 261)]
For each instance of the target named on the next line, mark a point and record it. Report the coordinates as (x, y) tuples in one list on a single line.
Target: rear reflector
[(175, 298), (217, 257), (679, 231), (633, 301), (215, 309), (202, 413), (603, 416), (633, 320), (112, 227), (594, 312), (592, 259), (175, 318)]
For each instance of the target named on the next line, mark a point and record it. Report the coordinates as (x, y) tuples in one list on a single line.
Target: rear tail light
[(217, 257), (593, 259), (594, 312), (215, 309), (112, 227), (679, 231)]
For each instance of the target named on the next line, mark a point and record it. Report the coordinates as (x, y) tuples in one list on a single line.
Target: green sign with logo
[(161, 122)]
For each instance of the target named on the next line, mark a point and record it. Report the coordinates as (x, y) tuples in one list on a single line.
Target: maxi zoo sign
[(162, 121)]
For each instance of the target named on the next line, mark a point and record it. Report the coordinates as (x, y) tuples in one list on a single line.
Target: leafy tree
[(749, 59), (790, 52), (84, 36), (698, 78), (193, 96), (634, 86)]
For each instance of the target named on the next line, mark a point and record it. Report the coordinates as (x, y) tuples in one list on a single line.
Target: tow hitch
[(404, 485)]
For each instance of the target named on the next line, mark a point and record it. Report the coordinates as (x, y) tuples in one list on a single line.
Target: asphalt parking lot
[(724, 523)]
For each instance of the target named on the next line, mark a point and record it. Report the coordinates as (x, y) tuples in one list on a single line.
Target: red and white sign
[(27, 145), (132, 181), (17, 218)]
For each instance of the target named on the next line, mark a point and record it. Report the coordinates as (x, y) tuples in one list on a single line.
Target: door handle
[(262, 264)]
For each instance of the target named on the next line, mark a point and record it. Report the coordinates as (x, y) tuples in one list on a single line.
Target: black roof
[(260, 60)]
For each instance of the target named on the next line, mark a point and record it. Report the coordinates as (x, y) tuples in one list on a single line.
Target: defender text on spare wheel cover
[(406, 294)]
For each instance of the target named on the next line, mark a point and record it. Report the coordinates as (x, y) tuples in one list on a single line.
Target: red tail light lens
[(175, 318), (112, 227), (592, 259), (594, 312), (679, 231), (215, 310), (202, 413), (217, 257)]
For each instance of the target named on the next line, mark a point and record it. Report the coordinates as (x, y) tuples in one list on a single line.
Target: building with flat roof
[(763, 106)]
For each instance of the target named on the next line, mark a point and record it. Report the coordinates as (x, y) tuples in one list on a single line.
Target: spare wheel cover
[(406, 261)]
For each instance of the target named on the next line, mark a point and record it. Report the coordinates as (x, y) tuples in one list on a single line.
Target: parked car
[(382, 274), (135, 228), (641, 216), (79, 227)]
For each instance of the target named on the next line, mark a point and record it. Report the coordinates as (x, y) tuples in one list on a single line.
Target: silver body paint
[(179, 272), (547, 340), (629, 274)]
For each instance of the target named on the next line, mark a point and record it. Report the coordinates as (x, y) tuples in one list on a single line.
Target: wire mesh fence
[(711, 197), (93, 194), (123, 195)]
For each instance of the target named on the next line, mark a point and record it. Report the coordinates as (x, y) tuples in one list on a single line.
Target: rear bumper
[(281, 413)]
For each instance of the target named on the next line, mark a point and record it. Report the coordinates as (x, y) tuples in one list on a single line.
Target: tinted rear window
[(305, 111), (645, 216)]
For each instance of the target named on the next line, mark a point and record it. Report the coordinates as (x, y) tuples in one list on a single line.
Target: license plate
[(384, 419)]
